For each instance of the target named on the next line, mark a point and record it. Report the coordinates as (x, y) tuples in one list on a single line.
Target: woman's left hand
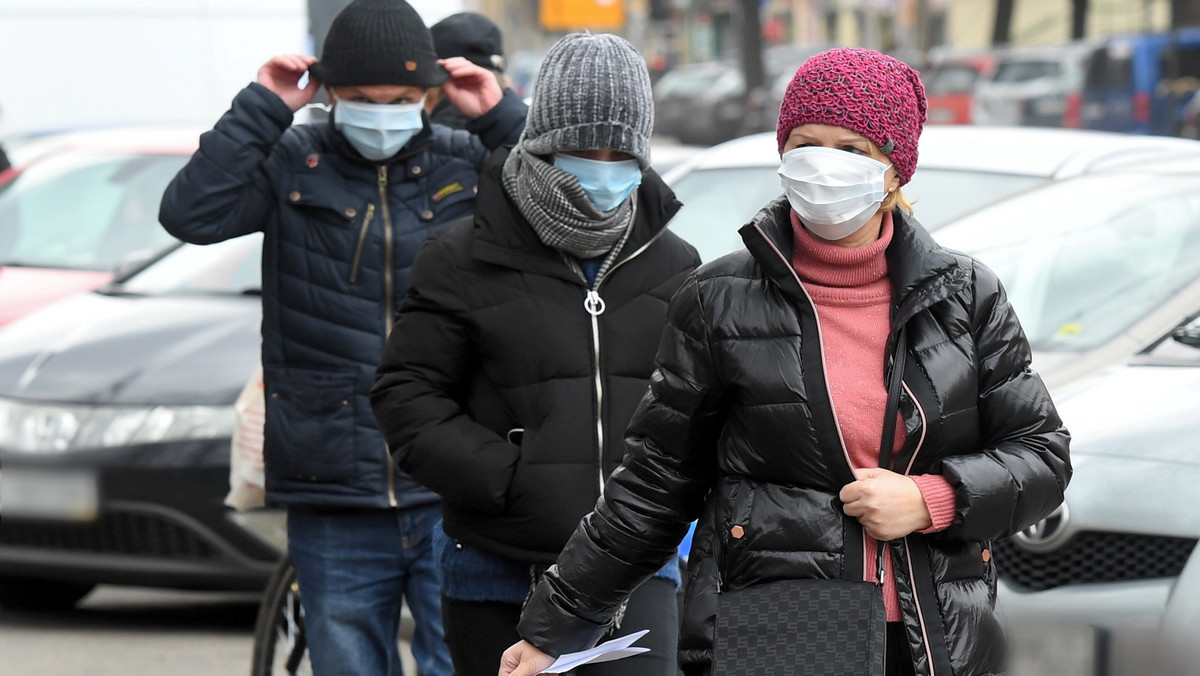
[(522, 659), (472, 89), (887, 504)]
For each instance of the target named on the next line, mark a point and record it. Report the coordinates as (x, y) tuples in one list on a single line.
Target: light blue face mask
[(607, 184), (378, 130)]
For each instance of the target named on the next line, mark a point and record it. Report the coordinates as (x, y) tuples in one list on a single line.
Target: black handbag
[(834, 627)]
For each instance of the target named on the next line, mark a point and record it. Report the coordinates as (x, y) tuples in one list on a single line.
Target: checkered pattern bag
[(799, 627)]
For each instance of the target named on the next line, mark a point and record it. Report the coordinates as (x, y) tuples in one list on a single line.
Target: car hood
[(1135, 411), (98, 348), (23, 290)]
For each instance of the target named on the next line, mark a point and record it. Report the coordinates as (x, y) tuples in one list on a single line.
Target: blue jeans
[(354, 570)]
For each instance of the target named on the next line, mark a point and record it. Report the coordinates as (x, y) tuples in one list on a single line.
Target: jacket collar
[(921, 271), (503, 237)]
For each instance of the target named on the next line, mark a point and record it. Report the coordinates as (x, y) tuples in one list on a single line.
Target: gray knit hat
[(592, 92)]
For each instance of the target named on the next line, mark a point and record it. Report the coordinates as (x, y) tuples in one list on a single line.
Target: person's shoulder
[(456, 143), (454, 238), (733, 265)]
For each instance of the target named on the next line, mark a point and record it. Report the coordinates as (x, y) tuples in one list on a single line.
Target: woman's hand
[(522, 659), (887, 504), (472, 89), (282, 75)]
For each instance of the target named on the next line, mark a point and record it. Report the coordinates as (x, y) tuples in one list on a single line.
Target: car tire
[(35, 594)]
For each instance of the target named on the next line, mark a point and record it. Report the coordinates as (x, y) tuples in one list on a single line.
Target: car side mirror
[(1188, 335)]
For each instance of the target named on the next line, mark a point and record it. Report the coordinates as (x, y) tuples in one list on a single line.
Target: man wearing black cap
[(475, 38), (343, 207)]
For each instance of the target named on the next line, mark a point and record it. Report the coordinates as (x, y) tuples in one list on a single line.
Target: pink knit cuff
[(939, 500)]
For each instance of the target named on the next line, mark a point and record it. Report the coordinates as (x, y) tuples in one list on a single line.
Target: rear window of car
[(1024, 71), (942, 80), (1108, 69), (86, 210)]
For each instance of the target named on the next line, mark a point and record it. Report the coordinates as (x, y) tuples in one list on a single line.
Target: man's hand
[(522, 659), (282, 75), (472, 89), (887, 504)]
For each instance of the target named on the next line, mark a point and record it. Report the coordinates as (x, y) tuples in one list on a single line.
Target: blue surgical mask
[(607, 184), (378, 130)]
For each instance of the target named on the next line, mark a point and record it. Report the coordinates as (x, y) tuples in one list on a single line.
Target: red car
[(78, 208), (950, 86)]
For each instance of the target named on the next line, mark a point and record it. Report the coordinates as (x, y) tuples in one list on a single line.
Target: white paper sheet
[(605, 652)]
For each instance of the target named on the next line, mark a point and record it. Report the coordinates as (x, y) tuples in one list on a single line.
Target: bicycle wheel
[(280, 647)]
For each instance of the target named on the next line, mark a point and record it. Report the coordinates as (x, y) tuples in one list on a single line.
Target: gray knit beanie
[(592, 92)]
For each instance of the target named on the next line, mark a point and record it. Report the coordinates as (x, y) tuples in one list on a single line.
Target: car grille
[(1091, 557), (134, 534)]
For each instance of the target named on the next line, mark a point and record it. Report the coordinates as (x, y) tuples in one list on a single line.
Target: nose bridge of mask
[(380, 116), (598, 174), (830, 172)]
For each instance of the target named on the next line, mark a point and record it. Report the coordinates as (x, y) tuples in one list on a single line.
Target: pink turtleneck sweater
[(852, 295)]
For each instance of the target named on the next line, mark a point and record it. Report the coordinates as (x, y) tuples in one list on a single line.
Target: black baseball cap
[(471, 36)]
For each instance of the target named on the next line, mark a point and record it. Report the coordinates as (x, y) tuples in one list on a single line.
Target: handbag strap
[(894, 382)]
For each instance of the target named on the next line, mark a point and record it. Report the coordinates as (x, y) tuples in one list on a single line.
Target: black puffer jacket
[(500, 391), (737, 429)]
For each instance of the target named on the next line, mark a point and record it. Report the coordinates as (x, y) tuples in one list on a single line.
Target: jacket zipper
[(912, 575), (362, 240), (594, 305), (841, 439), (387, 304)]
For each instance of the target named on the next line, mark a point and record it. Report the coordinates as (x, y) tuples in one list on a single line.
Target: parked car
[(80, 207), (1033, 86), (961, 168), (950, 82), (1109, 583), (1190, 118), (1140, 83), (116, 414)]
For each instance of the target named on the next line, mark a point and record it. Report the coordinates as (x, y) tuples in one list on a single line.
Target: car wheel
[(35, 594)]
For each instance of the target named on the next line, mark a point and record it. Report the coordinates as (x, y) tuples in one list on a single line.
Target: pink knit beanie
[(864, 91)]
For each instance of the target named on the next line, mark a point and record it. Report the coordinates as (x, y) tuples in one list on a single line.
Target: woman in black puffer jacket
[(761, 415)]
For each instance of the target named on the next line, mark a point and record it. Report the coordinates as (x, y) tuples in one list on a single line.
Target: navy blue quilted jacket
[(340, 233)]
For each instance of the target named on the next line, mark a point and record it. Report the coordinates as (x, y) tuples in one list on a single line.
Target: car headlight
[(42, 428)]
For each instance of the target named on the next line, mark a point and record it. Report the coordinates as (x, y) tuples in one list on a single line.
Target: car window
[(1083, 260), (942, 80), (229, 267), (1109, 69), (87, 211), (718, 201), (1024, 71)]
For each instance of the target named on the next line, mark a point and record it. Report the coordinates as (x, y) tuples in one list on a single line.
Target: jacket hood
[(97, 348)]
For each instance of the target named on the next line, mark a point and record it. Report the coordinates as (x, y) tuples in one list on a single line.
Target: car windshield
[(1083, 260), (718, 201), (85, 211), (229, 267)]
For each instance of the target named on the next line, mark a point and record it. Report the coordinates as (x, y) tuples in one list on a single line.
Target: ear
[(893, 183)]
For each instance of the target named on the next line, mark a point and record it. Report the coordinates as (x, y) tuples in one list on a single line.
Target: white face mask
[(834, 192)]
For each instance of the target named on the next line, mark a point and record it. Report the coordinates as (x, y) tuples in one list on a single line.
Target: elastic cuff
[(939, 500)]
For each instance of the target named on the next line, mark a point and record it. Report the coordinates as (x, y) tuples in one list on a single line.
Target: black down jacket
[(340, 233), (737, 429), (501, 391)]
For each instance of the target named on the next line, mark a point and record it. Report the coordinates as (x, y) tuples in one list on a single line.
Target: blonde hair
[(894, 199)]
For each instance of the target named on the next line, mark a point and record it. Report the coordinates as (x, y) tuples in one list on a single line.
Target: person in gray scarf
[(525, 342)]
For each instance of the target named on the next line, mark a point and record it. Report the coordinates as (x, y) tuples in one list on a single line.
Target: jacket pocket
[(310, 426)]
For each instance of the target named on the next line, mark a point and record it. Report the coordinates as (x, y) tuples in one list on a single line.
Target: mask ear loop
[(319, 106)]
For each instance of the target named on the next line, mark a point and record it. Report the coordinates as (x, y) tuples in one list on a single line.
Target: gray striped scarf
[(560, 212)]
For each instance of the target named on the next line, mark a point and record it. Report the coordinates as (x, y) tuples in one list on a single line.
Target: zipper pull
[(593, 303)]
